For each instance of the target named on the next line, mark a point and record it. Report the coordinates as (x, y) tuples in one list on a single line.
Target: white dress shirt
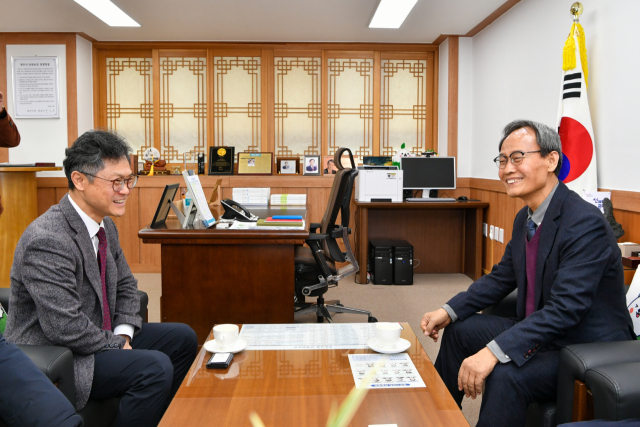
[(93, 228)]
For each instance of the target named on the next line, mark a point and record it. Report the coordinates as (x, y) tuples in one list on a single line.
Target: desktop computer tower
[(402, 263), (391, 262), (380, 262)]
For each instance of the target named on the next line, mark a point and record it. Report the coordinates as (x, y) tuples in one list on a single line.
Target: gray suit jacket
[(56, 292)]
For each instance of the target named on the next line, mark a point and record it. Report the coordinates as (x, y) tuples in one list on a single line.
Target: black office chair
[(315, 266)]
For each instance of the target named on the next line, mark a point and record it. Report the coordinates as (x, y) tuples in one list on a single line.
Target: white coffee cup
[(388, 333), (225, 335)]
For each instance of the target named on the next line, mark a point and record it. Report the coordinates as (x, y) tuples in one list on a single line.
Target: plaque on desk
[(221, 160)]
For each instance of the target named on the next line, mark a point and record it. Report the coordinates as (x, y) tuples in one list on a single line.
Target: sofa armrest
[(57, 364), (616, 391), (577, 359), (144, 302), (505, 308), (4, 297)]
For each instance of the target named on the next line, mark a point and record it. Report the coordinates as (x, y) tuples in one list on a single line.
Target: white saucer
[(399, 346), (213, 347)]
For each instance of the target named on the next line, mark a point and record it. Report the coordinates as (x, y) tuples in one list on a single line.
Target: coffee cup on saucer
[(388, 333), (225, 335)]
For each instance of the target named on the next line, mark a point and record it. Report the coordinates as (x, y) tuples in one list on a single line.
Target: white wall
[(84, 66), (517, 67), (443, 97), (42, 140), (465, 105)]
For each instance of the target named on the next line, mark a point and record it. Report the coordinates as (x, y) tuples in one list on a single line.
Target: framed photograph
[(255, 163), (221, 160), (311, 165), (288, 165), (328, 166)]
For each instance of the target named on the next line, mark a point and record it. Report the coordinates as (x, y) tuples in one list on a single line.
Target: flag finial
[(576, 10)]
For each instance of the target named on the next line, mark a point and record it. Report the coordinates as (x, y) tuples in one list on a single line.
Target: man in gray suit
[(71, 286)]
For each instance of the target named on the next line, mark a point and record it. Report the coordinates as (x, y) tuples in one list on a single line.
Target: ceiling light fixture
[(108, 12), (391, 13)]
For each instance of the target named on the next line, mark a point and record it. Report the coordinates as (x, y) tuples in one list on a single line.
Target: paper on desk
[(305, 336), (238, 225), (395, 370)]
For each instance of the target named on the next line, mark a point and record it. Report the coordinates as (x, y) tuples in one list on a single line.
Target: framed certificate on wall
[(255, 163)]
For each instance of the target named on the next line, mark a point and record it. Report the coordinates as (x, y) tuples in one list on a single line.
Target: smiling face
[(98, 199), (534, 178)]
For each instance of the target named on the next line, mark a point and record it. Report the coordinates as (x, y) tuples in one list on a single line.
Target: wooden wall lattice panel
[(129, 103), (350, 105), (237, 108), (405, 111), (297, 107), (183, 107)]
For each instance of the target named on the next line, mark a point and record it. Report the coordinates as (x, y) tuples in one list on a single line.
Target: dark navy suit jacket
[(580, 294)]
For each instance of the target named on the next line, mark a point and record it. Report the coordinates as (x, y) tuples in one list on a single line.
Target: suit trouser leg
[(509, 388), (27, 396), (147, 377)]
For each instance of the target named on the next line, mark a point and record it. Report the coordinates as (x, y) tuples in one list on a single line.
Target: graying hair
[(547, 138), (89, 152)]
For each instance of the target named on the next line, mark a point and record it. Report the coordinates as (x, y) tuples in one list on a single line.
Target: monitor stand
[(426, 193)]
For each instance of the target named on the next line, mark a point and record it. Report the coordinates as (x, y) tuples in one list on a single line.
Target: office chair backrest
[(339, 202)]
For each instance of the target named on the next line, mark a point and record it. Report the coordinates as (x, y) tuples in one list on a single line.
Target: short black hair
[(547, 138), (91, 150)]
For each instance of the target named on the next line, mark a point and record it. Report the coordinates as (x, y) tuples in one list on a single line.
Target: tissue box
[(627, 247)]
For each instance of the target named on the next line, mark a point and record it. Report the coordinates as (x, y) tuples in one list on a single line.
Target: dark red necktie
[(102, 263)]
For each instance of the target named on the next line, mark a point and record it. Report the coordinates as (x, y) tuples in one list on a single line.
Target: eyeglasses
[(118, 183), (516, 158)]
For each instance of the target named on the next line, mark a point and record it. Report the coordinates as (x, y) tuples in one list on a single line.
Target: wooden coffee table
[(296, 388)]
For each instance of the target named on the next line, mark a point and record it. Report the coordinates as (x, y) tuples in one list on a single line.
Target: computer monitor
[(428, 173)]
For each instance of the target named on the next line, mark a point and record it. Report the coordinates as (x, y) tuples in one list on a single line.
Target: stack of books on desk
[(252, 196), (288, 199), (281, 221)]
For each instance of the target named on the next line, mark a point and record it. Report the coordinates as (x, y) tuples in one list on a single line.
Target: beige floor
[(387, 303)]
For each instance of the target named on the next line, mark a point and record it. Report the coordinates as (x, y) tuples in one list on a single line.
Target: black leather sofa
[(57, 364), (611, 371)]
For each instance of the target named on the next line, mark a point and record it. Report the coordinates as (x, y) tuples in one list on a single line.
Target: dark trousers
[(27, 396), (147, 377), (635, 422), (509, 388)]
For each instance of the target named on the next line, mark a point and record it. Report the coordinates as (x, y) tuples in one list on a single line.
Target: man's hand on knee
[(474, 370), (433, 321)]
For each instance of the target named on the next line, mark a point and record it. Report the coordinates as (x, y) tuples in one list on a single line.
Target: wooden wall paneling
[(210, 102), (376, 104), (324, 100), (128, 227), (489, 19), (359, 54), (102, 90), (156, 99), (268, 102), (434, 90), (46, 199), (452, 132), (191, 53), (72, 89), (431, 113), (317, 200), (97, 80), (625, 200), (60, 193), (4, 152)]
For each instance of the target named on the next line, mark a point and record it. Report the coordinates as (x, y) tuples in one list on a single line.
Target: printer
[(379, 184)]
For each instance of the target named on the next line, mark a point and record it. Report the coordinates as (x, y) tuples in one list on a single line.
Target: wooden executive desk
[(227, 276), (297, 387), (446, 237)]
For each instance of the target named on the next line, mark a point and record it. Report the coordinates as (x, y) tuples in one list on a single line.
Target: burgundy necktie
[(102, 263)]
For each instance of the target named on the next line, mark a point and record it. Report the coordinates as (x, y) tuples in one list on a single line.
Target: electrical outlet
[(485, 230), (491, 232), (501, 238)]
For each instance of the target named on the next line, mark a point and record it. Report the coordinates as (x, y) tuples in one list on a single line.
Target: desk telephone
[(234, 210)]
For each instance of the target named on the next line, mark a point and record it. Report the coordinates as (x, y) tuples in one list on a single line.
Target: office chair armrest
[(577, 359), (144, 302), (317, 236), (314, 226), (57, 364)]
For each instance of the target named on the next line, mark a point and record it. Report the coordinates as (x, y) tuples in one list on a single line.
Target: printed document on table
[(305, 336), (238, 225), (394, 371)]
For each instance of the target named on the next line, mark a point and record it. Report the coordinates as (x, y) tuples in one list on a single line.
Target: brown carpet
[(387, 303)]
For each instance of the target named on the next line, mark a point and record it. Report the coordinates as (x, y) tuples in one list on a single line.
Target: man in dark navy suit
[(565, 263)]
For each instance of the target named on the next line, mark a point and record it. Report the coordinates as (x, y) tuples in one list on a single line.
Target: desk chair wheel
[(372, 320)]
